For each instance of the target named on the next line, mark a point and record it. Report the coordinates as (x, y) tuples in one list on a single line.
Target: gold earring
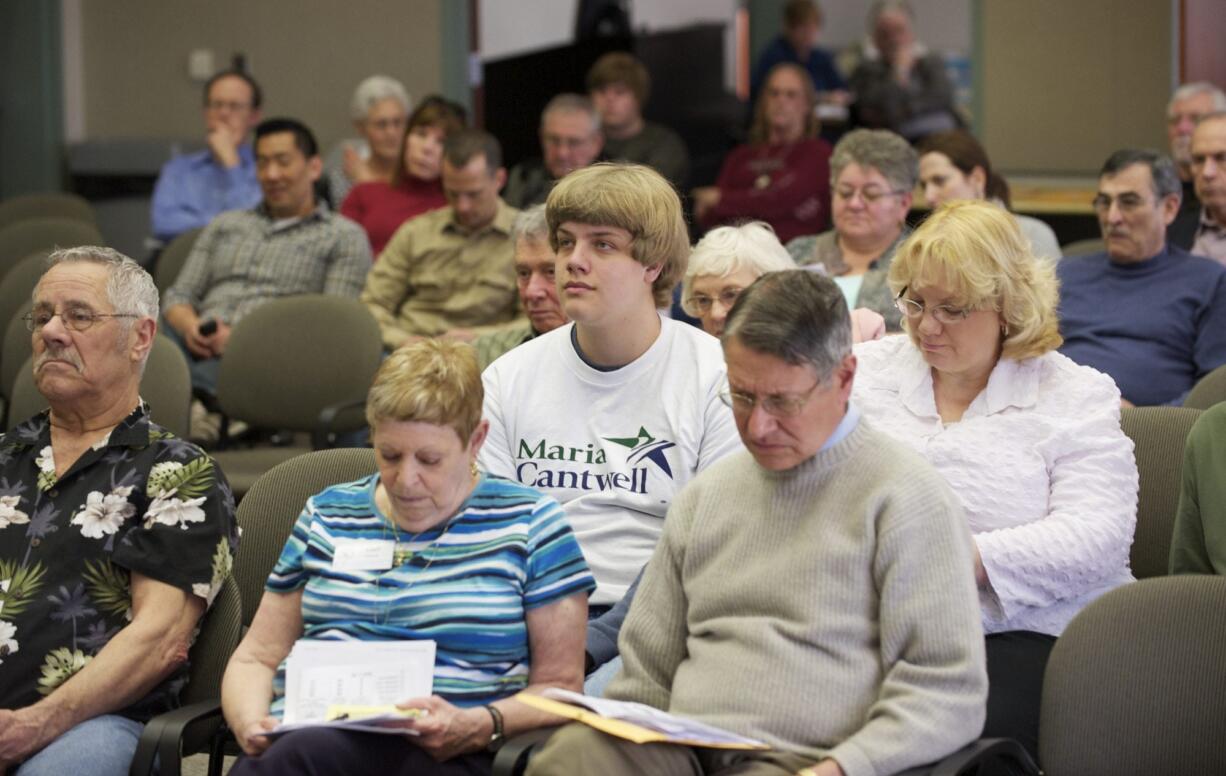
[(472, 466)]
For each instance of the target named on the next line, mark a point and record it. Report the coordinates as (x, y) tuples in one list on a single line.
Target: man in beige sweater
[(814, 592)]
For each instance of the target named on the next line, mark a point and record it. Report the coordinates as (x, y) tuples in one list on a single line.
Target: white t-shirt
[(613, 447)]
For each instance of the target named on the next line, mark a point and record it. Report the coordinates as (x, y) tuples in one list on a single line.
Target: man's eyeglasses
[(387, 123), (1127, 202), (702, 303), (870, 195), (780, 405), (944, 314), (75, 318), (561, 141)]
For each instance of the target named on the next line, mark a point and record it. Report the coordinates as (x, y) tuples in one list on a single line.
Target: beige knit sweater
[(829, 609)]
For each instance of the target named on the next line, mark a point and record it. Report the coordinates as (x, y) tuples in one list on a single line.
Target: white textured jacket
[(1046, 475)]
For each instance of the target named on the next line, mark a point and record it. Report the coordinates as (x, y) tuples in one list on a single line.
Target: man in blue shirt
[(193, 188), (802, 21), (290, 244), (1147, 313)]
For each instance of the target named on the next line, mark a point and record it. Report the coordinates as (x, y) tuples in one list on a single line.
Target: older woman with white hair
[(728, 259), (379, 110), (1028, 440)]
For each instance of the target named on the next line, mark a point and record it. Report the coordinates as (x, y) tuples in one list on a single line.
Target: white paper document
[(672, 726), (321, 674), (380, 723)]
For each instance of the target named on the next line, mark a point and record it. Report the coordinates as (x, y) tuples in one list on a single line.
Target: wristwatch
[(496, 737)]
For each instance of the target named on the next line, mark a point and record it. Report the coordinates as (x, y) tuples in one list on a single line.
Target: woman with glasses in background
[(872, 172), (1028, 440), (379, 109)]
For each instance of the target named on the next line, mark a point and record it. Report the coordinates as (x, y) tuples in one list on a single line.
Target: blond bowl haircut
[(724, 250), (976, 251), (433, 381), (631, 197)]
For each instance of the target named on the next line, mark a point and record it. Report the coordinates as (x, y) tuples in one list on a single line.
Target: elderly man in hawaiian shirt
[(114, 535)]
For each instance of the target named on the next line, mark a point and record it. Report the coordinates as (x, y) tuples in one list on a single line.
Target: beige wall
[(1066, 83), (307, 54)]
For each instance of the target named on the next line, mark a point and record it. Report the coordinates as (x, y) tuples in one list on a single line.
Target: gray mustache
[(61, 354)]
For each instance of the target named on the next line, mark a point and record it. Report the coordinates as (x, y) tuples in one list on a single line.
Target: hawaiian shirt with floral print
[(139, 500)]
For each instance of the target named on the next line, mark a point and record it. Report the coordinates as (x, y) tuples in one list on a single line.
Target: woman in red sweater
[(782, 176), (380, 208)]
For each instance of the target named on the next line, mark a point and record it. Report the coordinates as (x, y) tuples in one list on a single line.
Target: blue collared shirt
[(192, 189), (847, 425)]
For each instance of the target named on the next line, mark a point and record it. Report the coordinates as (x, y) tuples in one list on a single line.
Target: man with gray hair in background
[(1144, 311), (812, 591), (115, 536), (538, 291), (1209, 178), (571, 138), (1188, 105)]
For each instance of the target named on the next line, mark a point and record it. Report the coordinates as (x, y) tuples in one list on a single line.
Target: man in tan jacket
[(450, 270)]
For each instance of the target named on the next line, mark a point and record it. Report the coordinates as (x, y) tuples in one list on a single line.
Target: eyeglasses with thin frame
[(562, 141), (871, 196), (780, 405), (1127, 202), (944, 314), (75, 318), (703, 303), (386, 123)]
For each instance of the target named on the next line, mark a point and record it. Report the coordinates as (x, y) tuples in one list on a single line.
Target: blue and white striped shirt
[(467, 585)]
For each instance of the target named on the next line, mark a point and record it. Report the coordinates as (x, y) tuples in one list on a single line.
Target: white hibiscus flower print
[(10, 514), (8, 642), (174, 511), (102, 515), (46, 468), (45, 460), (103, 442)]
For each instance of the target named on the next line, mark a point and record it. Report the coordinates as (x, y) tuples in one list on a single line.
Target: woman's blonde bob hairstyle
[(976, 252), (631, 197), (434, 381)]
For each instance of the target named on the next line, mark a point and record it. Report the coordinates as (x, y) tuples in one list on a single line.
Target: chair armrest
[(512, 757), (167, 736), (323, 435), (1002, 751)]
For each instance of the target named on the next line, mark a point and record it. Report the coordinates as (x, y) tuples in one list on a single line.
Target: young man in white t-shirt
[(613, 414)]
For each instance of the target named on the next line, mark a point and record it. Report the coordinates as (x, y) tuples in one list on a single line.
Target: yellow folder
[(627, 730)]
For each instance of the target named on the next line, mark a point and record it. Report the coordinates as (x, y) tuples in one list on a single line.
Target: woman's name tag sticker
[(363, 555)]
